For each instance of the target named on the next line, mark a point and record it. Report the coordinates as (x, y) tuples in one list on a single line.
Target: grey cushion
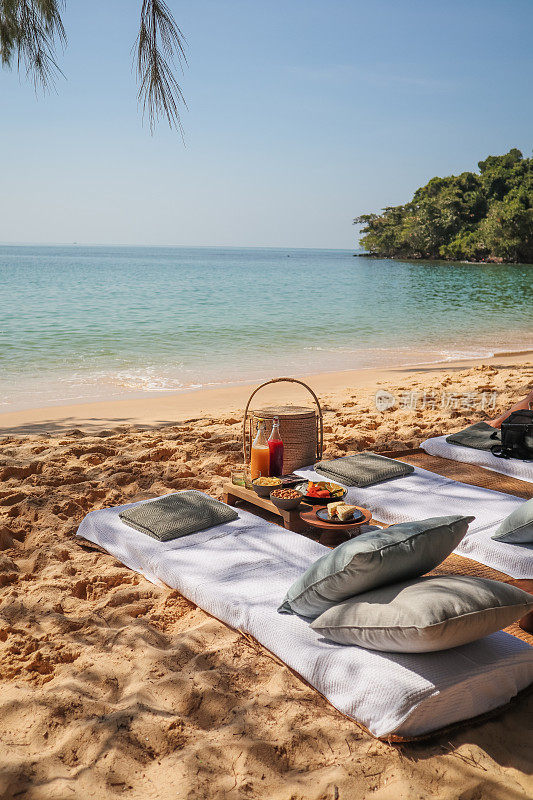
[(373, 559), (178, 515), (424, 615), (363, 469), (517, 528), (477, 436)]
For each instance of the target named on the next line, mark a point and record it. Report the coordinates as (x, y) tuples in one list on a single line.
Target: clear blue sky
[(302, 114)]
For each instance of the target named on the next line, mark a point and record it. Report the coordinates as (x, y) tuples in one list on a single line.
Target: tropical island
[(466, 217)]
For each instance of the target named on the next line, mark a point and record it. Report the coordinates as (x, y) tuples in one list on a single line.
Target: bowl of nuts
[(287, 499)]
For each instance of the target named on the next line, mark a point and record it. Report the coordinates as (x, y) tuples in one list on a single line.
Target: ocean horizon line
[(182, 246)]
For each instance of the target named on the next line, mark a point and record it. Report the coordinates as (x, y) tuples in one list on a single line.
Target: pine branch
[(29, 30), (160, 42), (28, 33)]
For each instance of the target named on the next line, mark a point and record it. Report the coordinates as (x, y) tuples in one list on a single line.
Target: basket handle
[(320, 444)]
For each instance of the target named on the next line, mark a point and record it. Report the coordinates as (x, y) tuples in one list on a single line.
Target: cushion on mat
[(363, 469), (424, 615), (176, 515), (517, 528), (477, 436), (374, 559)]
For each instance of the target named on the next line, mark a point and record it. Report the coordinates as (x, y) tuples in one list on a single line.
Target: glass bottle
[(275, 446), (260, 456)]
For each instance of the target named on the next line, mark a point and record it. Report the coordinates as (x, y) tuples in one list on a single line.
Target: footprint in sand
[(95, 587)]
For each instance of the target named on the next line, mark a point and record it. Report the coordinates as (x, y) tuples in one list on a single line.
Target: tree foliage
[(469, 216), (31, 29), (28, 33)]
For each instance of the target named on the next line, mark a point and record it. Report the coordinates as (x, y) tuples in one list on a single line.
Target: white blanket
[(240, 571), (424, 494), (438, 446)]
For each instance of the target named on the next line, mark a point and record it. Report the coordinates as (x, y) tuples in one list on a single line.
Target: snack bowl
[(264, 489), (286, 503)]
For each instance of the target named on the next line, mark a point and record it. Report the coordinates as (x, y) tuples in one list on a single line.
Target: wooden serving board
[(291, 519), (334, 533)]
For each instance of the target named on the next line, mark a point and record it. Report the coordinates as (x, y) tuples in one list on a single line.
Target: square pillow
[(424, 615), (374, 559), (517, 528), (478, 436), (175, 515), (363, 469)]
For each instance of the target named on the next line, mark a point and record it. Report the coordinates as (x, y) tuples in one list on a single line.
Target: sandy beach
[(112, 686)]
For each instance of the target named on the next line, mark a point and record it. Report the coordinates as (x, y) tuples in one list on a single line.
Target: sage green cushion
[(425, 614), (517, 528), (374, 559), (363, 469), (478, 436), (180, 514)]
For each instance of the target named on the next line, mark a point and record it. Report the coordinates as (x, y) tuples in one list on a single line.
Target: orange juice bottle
[(260, 460)]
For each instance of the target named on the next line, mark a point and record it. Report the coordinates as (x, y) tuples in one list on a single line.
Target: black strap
[(499, 451)]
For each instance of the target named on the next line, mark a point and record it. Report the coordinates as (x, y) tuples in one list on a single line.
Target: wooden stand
[(291, 519), (302, 520)]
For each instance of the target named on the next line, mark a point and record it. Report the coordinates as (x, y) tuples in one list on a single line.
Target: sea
[(80, 323)]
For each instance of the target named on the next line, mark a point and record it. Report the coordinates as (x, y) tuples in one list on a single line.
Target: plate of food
[(321, 492), (340, 513)]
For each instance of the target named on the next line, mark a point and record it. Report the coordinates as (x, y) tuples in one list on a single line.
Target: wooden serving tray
[(334, 533), (291, 519)]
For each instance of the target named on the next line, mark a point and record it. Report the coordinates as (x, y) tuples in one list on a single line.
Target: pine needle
[(159, 43), (30, 30), (28, 33)]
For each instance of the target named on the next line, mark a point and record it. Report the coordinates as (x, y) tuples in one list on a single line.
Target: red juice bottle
[(275, 445)]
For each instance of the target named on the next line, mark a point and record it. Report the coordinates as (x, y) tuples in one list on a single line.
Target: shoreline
[(167, 408), (494, 260)]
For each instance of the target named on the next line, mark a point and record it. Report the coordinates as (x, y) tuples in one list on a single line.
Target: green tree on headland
[(462, 217)]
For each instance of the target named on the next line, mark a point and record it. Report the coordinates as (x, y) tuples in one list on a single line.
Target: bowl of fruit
[(321, 492), (287, 499)]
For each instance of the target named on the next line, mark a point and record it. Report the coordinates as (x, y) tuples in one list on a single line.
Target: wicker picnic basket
[(301, 429)]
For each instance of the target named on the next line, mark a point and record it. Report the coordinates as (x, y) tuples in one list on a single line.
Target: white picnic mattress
[(425, 494), (239, 572), (438, 446)]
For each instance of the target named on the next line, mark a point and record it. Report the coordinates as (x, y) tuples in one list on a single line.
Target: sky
[(302, 114)]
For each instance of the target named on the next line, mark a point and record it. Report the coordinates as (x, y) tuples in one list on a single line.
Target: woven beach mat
[(454, 564), (464, 473)]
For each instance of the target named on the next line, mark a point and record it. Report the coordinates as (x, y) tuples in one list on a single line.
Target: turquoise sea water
[(83, 323)]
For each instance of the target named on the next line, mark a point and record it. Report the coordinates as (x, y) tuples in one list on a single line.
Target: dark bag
[(516, 436)]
